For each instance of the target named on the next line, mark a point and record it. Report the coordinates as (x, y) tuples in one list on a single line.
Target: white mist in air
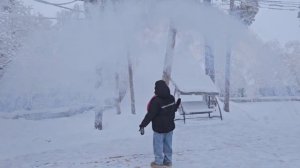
[(76, 62)]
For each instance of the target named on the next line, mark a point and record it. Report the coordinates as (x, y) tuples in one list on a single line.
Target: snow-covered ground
[(260, 135), (252, 135)]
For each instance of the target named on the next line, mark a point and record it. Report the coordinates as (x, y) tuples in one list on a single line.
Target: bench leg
[(183, 114), (219, 109)]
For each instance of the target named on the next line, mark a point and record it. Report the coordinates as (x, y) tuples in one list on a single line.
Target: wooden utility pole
[(227, 69), (130, 72), (169, 55), (208, 53), (227, 80)]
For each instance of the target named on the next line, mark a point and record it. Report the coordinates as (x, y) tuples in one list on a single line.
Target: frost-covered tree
[(92, 3), (292, 57), (16, 23), (264, 69), (274, 78), (247, 11), (10, 30)]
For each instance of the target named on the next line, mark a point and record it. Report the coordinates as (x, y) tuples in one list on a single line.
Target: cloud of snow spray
[(75, 63)]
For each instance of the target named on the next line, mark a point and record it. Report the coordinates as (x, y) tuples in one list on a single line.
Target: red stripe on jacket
[(150, 102)]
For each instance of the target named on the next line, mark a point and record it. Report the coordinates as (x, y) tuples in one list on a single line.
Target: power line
[(66, 3), (273, 5), (282, 2), (60, 5), (279, 5), (274, 8)]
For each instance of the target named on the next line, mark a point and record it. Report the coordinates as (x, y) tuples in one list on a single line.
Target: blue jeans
[(162, 147)]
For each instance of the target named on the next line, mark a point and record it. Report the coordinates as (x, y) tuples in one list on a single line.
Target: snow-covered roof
[(189, 78), (194, 84)]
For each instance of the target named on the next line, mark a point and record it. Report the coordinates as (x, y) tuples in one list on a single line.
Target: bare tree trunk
[(118, 102), (169, 55), (130, 72), (98, 119)]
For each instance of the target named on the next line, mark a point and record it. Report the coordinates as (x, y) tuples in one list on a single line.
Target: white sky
[(269, 24)]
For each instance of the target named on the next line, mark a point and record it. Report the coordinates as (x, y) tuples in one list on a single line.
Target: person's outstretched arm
[(153, 109)]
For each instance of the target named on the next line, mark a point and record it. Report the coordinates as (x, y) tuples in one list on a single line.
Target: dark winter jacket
[(161, 109)]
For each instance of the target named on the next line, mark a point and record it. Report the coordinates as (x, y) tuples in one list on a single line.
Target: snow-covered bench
[(198, 96), (193, 103), (198, 93), (195, 107)]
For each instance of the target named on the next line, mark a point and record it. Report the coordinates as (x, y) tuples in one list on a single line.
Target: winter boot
[(155, 165), (168, 164)]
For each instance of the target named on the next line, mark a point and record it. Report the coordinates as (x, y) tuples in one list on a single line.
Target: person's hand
[(142, 131), (178, 102)]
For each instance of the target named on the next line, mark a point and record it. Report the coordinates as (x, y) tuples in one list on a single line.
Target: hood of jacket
[(161, 89)]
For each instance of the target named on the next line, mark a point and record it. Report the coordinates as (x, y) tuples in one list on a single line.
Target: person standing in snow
[(161, 112)]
